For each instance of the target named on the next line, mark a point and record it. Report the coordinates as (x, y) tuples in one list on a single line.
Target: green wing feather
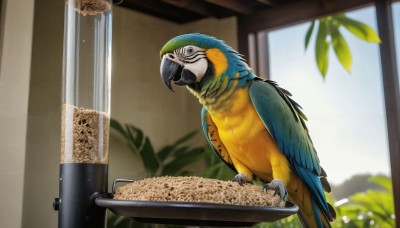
[(284, 120)]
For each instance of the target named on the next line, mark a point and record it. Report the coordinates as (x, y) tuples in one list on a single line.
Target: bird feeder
[(85, 112), (84, 196)]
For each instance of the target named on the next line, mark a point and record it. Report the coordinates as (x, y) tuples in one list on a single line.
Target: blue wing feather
[(286, 125)]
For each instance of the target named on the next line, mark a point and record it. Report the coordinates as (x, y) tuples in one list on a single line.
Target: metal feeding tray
[(201, 214)]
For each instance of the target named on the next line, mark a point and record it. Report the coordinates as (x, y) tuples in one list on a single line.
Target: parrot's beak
[(171, 70)]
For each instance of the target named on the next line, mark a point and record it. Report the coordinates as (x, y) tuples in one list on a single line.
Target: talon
[(241, 179), (279, 188)]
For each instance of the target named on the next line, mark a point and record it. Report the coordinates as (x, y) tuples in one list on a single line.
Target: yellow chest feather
[(244, 135)]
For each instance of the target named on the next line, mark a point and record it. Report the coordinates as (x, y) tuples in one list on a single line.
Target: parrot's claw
[(279, 188), (240, 178)]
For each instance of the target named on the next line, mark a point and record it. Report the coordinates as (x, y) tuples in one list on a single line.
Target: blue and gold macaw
[(252, 124)]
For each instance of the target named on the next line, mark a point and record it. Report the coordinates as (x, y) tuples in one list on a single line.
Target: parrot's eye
[(189, 54), (189, 51)]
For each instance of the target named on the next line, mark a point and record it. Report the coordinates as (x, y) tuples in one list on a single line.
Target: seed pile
[(91, 7), (197, 189), (84, 135)]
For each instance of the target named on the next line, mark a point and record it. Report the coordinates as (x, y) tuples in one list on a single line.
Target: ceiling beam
[(234, 5), (191, 5), (162, 10), (294, 13), (266, 2), (203, 8)]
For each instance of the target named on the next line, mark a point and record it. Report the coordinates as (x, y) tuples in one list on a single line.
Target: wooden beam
[(243, 39), (263, 55), (253, 52), (266, 2), (202, 7), (296, 12), (391, 93), (162, 10), (235, 5), (191, 5)]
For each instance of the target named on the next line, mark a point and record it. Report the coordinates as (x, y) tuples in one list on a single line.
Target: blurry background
[(346, 111)]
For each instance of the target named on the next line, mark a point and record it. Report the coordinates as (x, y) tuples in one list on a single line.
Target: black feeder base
[(80, 184)]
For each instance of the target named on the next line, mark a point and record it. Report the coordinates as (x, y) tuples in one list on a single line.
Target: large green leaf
[(135, 135), (219, 171), (177, 164), (308, 34), (216, 168), (382, 181), (148, 156), (359, 29), (185, 138), (132, 138), (212, 170), (341, 48), (181, 151), (322, 47), (376, 205), (370, 200), (165, 152), (379, 203), (129, 134), (133, 148), (117, 126)]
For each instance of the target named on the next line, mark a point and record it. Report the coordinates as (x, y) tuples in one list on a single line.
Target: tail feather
[(323, 173), (310, 212), (311, 215), (325, 184), (333, 213), (324, 181)]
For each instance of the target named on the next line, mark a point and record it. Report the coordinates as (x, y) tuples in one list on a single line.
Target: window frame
[(251, 27)]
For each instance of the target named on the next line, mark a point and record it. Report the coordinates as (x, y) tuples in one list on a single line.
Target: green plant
[(289, 222), (215, 167), (328, 33), (169, 160), (372, 208)]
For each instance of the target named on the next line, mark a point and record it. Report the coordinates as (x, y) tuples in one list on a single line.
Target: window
[(346, 111)]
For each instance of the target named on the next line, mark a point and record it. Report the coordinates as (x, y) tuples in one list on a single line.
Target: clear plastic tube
[(86, 81)]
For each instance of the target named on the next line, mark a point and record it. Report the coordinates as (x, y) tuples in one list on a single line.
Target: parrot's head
[(195, 60)]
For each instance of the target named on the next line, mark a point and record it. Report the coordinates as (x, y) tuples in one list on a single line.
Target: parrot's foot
[(279, 188), (241, 179)]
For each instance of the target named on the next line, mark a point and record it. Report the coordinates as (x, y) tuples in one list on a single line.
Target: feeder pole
[(85, 113)]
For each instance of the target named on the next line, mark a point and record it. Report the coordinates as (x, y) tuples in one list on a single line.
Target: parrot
[(253, 125)]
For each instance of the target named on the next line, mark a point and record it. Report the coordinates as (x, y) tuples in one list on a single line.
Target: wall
[(162, 114), (138, 97), (15, 62), (43, 134)]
